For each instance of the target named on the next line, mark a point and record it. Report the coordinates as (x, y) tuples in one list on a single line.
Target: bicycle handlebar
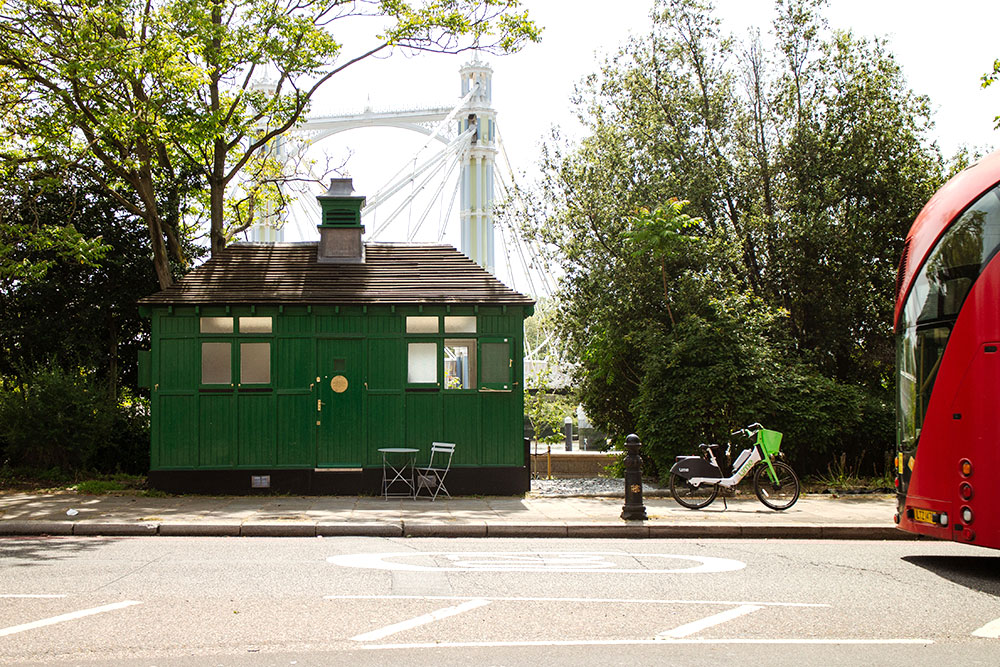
[(749, 430)]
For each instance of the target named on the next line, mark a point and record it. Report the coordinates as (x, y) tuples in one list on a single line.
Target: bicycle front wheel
[(780, 495), (692, 497)]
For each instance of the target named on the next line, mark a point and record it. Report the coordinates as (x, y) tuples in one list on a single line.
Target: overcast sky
[(943, 48)]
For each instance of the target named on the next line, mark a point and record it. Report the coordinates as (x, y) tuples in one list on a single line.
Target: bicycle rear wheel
[(780, 495), (692, 497)]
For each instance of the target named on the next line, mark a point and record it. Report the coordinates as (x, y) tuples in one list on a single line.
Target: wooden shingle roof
[(289, 273)]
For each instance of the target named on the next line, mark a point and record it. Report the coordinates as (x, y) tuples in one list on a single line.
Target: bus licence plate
[(924, 516)]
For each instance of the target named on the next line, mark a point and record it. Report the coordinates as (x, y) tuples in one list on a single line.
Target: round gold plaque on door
[(338, 384)]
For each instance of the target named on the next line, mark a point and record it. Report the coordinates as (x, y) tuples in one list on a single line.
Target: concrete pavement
[(813, 517)]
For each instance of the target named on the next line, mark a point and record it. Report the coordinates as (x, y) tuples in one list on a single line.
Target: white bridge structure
[(467, 141)]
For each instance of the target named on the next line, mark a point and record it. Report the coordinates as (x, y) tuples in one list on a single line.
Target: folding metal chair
[(432, 476)]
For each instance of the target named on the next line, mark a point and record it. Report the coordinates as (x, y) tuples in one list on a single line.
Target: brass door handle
[(319, 405)]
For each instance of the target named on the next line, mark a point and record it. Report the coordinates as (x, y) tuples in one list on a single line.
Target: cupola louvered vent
[(340, 227)]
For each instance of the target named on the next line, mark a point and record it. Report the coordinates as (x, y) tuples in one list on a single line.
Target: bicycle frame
[(741, 467)]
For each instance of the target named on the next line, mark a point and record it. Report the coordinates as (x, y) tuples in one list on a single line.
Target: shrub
[(66, 420)]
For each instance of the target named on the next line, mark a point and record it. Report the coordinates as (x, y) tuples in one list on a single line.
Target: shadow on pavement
[(18, 551), (980, 573)]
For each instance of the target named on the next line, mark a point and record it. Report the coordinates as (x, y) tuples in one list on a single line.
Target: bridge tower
[(478, 162), (468, 128)]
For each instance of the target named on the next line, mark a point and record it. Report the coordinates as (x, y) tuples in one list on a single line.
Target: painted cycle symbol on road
[(538, 561)]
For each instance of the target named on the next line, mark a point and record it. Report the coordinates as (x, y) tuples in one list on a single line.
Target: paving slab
[(813, 517)]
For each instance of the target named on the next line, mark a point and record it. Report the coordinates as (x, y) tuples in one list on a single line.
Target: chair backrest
[(443, 449)]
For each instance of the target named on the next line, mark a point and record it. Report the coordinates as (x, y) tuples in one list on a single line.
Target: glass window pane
[(460, 324), (255, 363), (459, 364), (952, 267), (255, 325), (495, 363), (216, 363), (421, 324), (421, 362), (214, 325)]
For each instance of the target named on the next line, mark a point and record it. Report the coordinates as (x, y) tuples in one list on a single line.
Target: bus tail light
[(966, 467), (965, 490), (967, 515), (943, 518)]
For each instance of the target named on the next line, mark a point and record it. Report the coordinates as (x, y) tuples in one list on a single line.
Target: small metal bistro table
[(397, 471)]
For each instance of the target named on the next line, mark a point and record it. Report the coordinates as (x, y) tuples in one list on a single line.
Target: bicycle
[(695, 480)]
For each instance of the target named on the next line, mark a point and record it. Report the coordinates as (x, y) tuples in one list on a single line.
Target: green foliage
[(989, 79), (164, 96), (545, 408), (804, 166), (77, 314), (66, 420), (111, 484)]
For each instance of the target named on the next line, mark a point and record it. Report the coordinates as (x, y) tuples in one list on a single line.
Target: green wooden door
[(340, 434)]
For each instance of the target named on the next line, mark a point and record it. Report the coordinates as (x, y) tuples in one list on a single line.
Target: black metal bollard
[(633, 510)]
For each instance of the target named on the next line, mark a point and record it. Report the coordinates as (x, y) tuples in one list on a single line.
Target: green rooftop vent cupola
[(340, 227)]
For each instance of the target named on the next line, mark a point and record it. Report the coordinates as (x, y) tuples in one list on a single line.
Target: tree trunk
[(217, 201), (666, 297), (112, 358)]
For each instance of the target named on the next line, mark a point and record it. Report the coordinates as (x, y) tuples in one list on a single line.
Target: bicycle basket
[(770, 441)]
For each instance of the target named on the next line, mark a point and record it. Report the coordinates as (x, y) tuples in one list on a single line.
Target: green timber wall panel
[(340, 324), (176, 433), (503, 427), (386, 364), (296, 422), (385, 424), (293, 324), (423, 419), (179, 365), (257, 435), (502, 324), (177, 325), (382, 324), (461, 426), (217, 423), (295, 366)]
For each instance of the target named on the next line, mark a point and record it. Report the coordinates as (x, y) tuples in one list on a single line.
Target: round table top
[(398, 450)]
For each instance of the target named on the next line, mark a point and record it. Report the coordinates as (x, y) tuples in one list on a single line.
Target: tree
[(805, 163), (161, 93), (659, 232), (988, 80), (76, 314)]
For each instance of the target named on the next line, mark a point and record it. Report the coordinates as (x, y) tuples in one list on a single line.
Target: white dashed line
[(689, 629), (421, 620), (66, 617), (639, 642), (991, 630), (726, 603)]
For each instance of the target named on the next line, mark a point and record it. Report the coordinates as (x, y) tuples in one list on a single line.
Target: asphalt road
[(395, 601)]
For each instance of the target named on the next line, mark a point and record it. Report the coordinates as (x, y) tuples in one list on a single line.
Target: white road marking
[(716, 619), (991, 630), (636, 642), (532, 561), (66, 617), (421, 620), (28, 595), (727, 603)]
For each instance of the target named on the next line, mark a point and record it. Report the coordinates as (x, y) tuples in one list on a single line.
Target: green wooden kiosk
[(286, 367)]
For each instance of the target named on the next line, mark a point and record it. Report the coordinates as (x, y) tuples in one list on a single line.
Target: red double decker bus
[(947, 325)]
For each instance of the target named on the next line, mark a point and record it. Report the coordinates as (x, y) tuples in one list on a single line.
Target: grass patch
[(54, 481), (844, 477)]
